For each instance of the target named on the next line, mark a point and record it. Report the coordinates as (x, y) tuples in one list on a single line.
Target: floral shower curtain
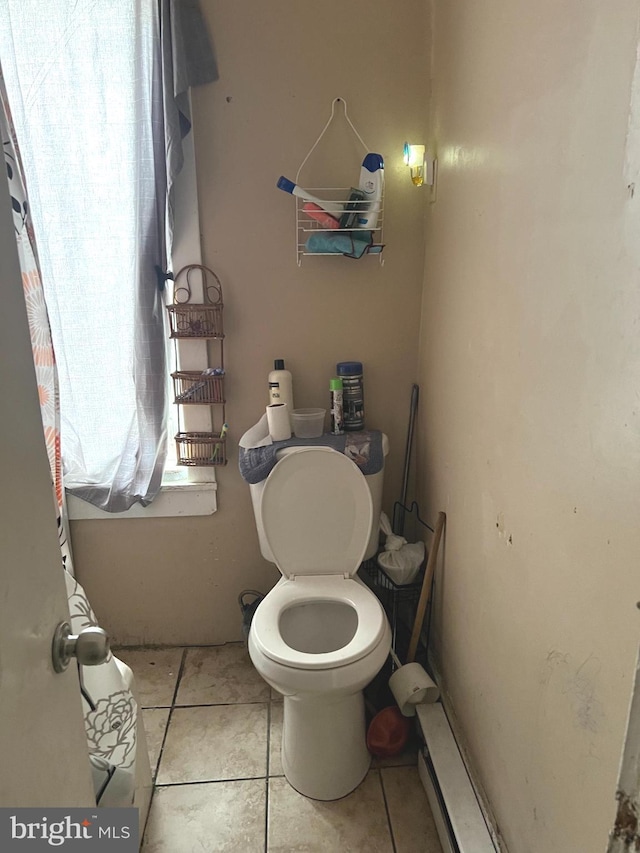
[(110, 711)]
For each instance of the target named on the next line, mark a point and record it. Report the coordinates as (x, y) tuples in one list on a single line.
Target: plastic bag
[(400, 560)]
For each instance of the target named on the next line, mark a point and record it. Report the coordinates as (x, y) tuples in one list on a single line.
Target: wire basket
[(193, 386), (390, 593), (200, 448), (399, 601), (196, 320), (339, 202)]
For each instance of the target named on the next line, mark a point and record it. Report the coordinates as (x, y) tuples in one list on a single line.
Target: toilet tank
[(374, 481)]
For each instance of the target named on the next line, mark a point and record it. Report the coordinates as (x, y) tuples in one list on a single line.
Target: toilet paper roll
[(278, 421), (412, 686)]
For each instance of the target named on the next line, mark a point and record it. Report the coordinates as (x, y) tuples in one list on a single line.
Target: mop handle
[(407, 459), (426, 587), (399, 508)]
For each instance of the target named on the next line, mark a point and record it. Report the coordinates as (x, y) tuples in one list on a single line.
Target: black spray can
[(353, 394)]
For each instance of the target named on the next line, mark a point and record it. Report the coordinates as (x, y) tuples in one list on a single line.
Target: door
[(43, 749), (625, 835)]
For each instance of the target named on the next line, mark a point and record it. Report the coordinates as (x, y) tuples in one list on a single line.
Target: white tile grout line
[(386, 808), (183, 662), (266, 781), (266, 814), (164, 738), (213, 781), (203, 705)]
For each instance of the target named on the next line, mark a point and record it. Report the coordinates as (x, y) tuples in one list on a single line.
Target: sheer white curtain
[(92, 88)]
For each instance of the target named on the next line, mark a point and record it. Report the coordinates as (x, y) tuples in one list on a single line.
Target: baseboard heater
[(458, 816)]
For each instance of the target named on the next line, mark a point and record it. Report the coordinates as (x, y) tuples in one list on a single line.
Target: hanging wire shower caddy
[(307, 225)]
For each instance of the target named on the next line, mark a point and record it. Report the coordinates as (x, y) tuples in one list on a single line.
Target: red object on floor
[(388, 732)]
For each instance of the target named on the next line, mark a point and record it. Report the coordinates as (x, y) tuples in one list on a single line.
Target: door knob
[(90, 647)]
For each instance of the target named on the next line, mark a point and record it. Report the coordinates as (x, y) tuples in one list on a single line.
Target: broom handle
[(426, 587)]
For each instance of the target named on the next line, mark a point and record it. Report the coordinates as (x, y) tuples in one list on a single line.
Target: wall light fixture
[(421, 165)]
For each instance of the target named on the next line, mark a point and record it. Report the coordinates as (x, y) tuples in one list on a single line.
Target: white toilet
[(320, 635)]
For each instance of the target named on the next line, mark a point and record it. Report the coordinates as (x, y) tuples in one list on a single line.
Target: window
[(100, 143)]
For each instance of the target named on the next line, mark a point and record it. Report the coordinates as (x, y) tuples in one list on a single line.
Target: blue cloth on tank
[(364, 448)]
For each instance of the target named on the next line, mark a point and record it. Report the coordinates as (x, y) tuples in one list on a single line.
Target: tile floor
[(214, 728)]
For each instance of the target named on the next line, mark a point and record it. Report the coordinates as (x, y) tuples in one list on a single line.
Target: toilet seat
[(316, 512), (370, 630)]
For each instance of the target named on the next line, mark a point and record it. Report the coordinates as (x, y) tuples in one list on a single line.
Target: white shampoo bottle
[(280, 385), (372, 185)]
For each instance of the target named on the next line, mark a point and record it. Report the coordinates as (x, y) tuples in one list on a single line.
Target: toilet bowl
[(320, 635)]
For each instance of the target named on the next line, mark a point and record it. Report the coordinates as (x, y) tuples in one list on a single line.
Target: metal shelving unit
[(199, 321)]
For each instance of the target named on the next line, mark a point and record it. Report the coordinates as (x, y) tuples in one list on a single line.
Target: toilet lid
[(316, 513)]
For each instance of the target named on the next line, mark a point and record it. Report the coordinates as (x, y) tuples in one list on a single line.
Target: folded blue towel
[(364, 448), (352, 244)]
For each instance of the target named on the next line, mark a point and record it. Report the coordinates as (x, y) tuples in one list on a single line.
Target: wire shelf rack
[(399, 601)]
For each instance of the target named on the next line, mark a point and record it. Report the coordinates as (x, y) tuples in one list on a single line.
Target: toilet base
[(324, 751)]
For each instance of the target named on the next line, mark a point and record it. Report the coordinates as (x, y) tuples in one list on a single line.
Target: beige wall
[(281, 64), (529, 429)]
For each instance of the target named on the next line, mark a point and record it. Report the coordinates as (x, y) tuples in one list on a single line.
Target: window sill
[(183, 499)]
